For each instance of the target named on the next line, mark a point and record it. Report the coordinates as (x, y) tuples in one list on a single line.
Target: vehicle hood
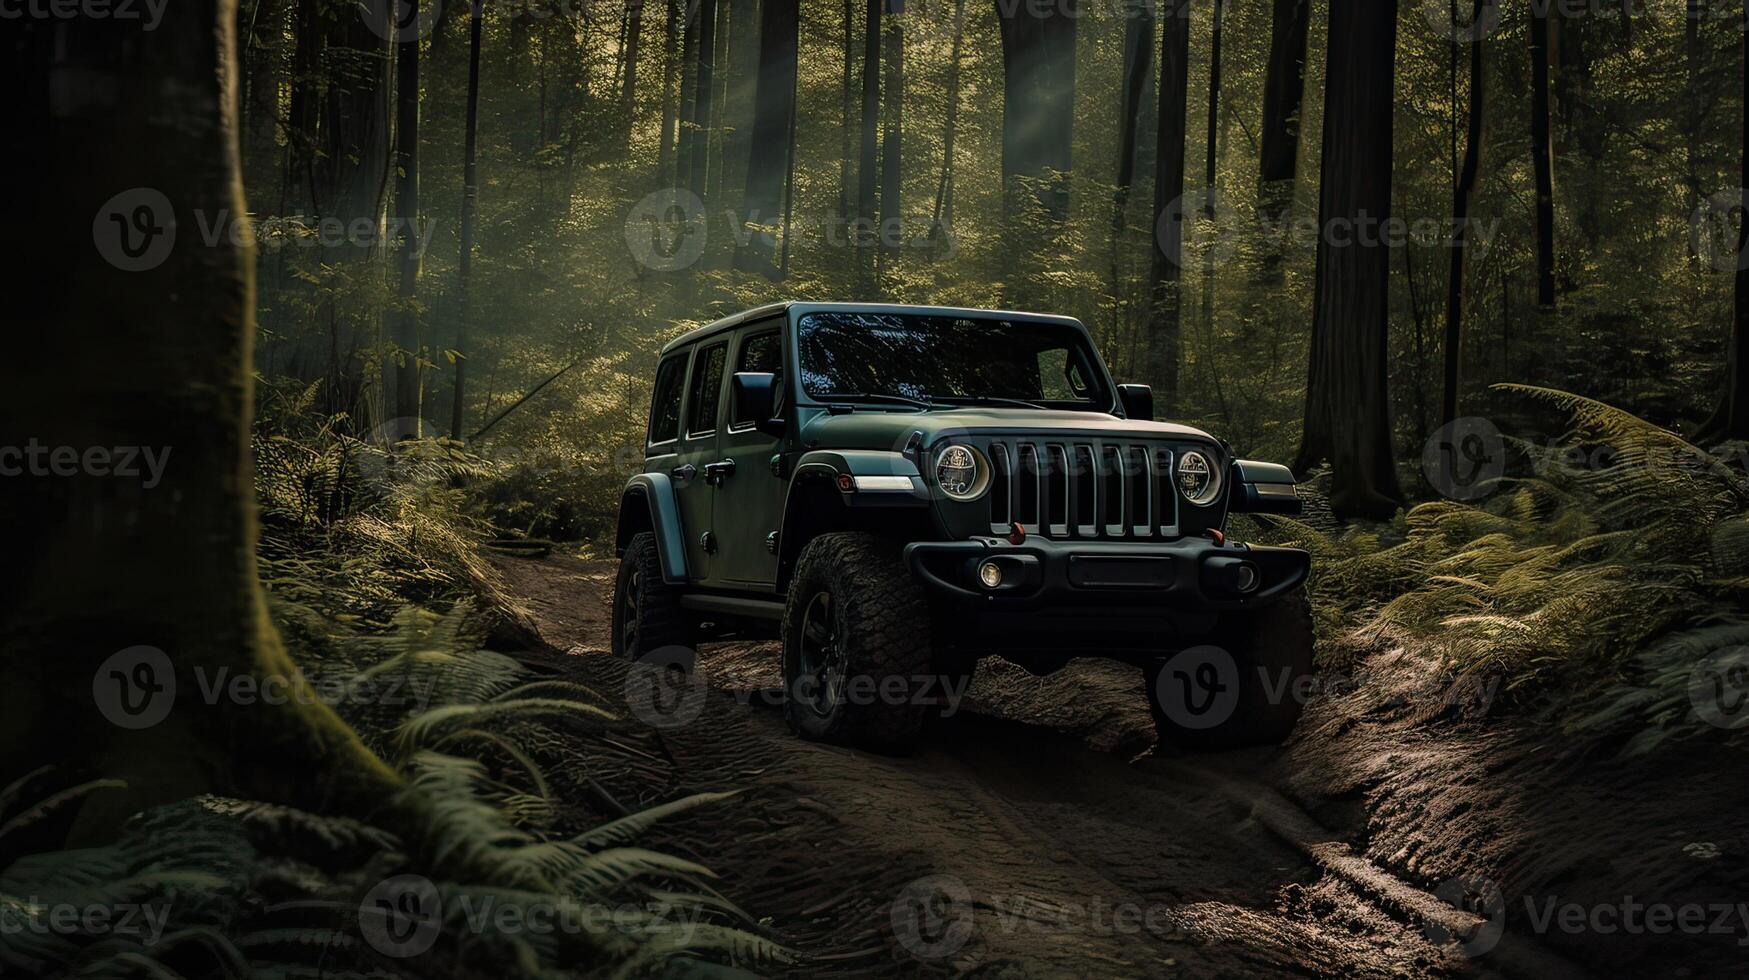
[(879, 429)]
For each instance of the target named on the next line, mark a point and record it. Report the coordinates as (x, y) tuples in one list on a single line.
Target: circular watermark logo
[(1478, 896), (1202, 226), (665, 232), (401, 21), (135, 230), (401, 916), (135, 688), (1461, 22), (932, 917), (1718, 687), (1198, 688), (1465, 459), (1715, 230), (665, 688)]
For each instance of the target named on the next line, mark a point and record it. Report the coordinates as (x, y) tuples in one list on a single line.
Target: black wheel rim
[(631, 598), (822, 655)]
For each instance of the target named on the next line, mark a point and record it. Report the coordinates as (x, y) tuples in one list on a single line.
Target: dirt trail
[(1011, 849)]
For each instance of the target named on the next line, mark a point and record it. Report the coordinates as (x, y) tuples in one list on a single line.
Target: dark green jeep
[(896, 491)]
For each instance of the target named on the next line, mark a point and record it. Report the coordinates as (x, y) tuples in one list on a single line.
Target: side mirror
[(1138, 401), (755, 400)]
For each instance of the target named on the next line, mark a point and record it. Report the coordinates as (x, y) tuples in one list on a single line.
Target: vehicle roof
[(770, 309)]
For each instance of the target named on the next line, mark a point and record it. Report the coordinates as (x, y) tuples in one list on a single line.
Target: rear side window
[(707, 381), (665, 400)]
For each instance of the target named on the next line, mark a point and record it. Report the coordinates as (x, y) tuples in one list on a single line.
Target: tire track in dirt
[(1004, 849)]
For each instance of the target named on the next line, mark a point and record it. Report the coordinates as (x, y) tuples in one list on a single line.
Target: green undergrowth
[(1595, 578), (491, 866)]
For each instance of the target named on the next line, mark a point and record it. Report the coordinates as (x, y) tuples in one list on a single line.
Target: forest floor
[(1044, 835)]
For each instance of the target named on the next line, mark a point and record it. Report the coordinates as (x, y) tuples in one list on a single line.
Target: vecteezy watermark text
[(136, 687), (149, 12), (122, 462)]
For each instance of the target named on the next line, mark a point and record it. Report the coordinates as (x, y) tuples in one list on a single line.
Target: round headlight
[(1198, 480), (961, 472)]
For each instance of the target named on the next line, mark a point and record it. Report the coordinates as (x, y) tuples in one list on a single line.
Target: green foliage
[(1590, 572)]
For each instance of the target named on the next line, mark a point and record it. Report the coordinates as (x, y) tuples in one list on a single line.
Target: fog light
[(1246, 578), (990, 574)]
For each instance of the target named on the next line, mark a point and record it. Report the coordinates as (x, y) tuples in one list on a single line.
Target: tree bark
[(771, 149), (1542, 156), (628, 81), (893, 128), (1038, 100), (1284, 87), (941, 219), (688, 131), (1165, 292), (1462, 194), (409, 391), (470, 197), (866, 178), (741, 93), (704, 99), (352, 168), (847, 118), (1348, 413), (1731, 419), (1138, 67), (665, 147), (150, 347)]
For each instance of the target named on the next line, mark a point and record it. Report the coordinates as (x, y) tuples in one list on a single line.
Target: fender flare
[(657, 493)]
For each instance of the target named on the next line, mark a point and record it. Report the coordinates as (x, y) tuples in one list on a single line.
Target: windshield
[(932, 360)]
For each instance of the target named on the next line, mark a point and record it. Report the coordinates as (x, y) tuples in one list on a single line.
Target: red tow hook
[(1215, 533), (1016, 534)]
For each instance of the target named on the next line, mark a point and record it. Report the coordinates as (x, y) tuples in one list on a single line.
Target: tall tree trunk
[(665, 146), (1038, 99), (771, 148), (941, 220), (1284, 87), (628, 80), (1211, 144), (847, 117), (262, 32), (1138, 67), (1165, 293), (409, 393), (865, 172), (353, 165), (1731, 419), (893, 128), (1348, 412), (704, 98), (470, 197), (742, 90), (304, 108), (140, 589), (688, 132), (1461, 196), (1541, 156)]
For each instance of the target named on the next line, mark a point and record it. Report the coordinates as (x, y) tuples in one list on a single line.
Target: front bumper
[(1192, 574)]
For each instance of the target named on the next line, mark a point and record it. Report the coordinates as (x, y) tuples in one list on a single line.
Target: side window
[(665, 399), (761, 353), (707, 383)]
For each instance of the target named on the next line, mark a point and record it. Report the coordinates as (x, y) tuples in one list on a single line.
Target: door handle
[(716, 473), (683, 473)]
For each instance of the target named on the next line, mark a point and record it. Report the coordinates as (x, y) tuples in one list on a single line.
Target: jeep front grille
[(1086, 489)]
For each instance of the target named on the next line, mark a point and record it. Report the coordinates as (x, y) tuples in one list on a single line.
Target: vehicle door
[(695, 450), (750, 495)]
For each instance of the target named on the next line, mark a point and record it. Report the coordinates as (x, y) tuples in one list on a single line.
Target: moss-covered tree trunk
[(141, 279)]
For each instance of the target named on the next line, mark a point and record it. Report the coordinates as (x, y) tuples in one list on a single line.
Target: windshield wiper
[(874, 396), (994, 400)]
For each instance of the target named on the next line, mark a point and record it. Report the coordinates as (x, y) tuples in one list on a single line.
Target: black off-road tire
[(884, 633), (660, 620), (1249, 679)]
